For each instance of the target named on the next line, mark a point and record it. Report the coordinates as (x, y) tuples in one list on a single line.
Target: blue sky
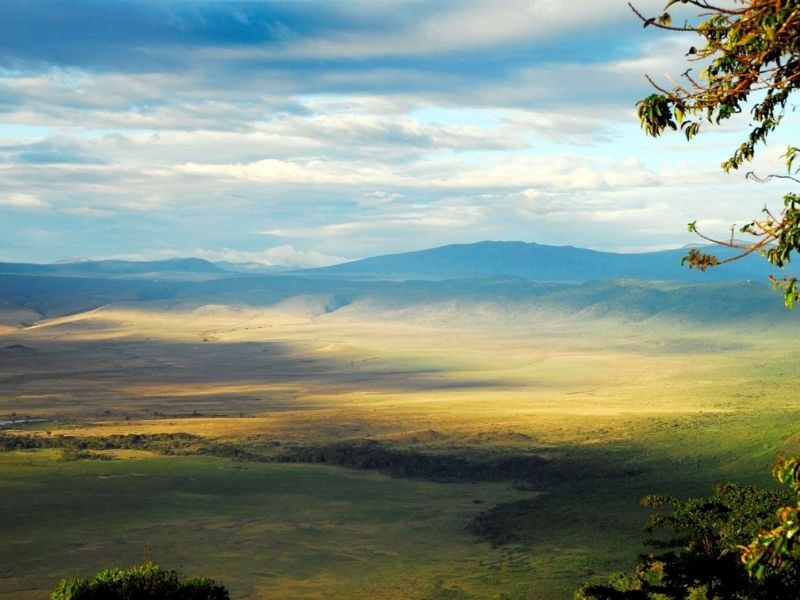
[(305, 132)]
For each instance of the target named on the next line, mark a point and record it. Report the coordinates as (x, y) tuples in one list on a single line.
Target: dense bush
[(146, 582), (696, 551)]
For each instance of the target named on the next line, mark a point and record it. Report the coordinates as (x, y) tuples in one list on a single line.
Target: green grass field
[(265, 530), (627, 409)]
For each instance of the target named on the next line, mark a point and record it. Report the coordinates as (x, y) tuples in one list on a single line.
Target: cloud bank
[(328, 130)]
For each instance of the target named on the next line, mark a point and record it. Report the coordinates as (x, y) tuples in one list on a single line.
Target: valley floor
[(615, 410)]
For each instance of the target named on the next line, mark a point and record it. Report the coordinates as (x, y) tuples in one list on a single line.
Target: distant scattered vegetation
[(527, 471), (69, 454), (419, 465), (165, 442), (146, 582), (78, 447), (362, 455), (500, 524)]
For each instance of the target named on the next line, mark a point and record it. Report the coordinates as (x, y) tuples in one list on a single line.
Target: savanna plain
[(299, 450)]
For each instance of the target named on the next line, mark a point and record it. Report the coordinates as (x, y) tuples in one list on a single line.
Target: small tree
[(752, 52), (146, 582)]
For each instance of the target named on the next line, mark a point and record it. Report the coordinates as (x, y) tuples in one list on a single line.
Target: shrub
[(145, 582)]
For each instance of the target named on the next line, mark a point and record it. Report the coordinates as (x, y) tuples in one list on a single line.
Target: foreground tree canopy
[(146, 582), (750, 51), (695, 547)]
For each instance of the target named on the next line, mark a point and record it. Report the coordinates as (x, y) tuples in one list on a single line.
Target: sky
[(301, 133)]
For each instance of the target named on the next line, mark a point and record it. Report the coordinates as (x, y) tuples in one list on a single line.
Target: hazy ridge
[(489, 279)]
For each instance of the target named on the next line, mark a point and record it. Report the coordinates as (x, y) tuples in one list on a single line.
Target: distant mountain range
[(158, 269), (498, 280), (533, 262), (537, 262)]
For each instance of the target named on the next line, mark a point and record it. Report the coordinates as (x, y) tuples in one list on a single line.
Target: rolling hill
[(500, 298)]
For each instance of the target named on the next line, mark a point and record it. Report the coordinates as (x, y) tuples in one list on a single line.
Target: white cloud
[(378, 198), (459, 25), (22, 201), (278, 256), (565, 172), (86, 211), (311, 172), (362, 157)]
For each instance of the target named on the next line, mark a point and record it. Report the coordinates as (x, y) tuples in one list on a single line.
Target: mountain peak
[(539, 262)]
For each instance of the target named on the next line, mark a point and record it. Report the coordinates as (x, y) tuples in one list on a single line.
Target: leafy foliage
[(773, 549), (751, 49), (696, 546), (751, 46), (146, 582)]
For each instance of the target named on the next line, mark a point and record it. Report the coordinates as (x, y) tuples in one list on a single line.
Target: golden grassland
[(681, 407), (272, 373)]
